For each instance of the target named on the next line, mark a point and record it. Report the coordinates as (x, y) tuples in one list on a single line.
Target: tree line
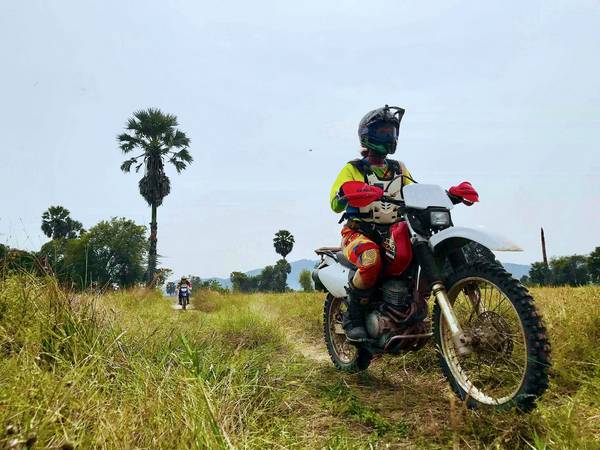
[(115, 251), (574, 270), (272, 278), (154, 135), (112, 253)]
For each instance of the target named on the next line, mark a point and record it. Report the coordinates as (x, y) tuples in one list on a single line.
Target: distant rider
[(366, 227), (183, 282)]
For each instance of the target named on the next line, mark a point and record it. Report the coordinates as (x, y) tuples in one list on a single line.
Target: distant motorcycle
[(492, 343), (184, 296)]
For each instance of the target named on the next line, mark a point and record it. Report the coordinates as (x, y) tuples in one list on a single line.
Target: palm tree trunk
[(152, 253)]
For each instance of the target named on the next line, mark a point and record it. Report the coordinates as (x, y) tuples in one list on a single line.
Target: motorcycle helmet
[(378, 129)]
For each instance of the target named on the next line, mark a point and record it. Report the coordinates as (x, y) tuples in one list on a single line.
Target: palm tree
[(58, 224), (283, 242), (154, 134)]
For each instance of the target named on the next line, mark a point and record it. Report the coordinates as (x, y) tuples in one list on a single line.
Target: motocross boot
[(354, 320)]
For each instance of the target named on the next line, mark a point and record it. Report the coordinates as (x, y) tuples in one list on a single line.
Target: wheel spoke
[(344, 351), (494, 370)]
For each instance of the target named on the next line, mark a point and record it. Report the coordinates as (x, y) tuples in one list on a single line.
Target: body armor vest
[(381, 212)]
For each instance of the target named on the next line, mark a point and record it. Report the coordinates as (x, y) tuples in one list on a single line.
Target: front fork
[(424, 256), (461, 341)]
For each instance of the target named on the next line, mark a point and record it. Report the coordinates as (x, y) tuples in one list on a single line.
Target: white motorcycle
[(492, 342)]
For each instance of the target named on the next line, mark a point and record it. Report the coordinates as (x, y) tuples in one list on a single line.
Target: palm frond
[(128, 142), (183, 155), (169, 120), (126, 166), (179, 165), (154, 133), (133, 123), (168, 136), (152, 122), (180, 139)]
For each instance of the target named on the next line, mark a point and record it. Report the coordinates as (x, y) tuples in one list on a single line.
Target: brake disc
[(491, 336)]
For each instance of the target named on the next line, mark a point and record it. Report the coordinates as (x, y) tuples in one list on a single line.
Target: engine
[(388, 316), (398, 313)]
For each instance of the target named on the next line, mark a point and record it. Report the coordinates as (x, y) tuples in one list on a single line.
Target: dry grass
[(126, 371)]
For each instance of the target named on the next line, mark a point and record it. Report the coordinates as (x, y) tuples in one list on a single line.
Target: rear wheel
[(344, 355), (510, 352)]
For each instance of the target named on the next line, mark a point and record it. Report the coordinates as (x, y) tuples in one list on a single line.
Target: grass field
[(125, 370)]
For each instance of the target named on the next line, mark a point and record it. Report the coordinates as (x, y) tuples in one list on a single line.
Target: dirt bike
[(492, 342), (184, 296)]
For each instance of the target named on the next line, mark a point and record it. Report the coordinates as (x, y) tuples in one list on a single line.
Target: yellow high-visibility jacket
[(351, 172)]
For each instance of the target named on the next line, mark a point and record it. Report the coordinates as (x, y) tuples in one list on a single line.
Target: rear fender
[(334, 277), (455, 237)]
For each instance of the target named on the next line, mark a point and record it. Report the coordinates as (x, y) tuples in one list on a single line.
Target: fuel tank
[(397, 250)]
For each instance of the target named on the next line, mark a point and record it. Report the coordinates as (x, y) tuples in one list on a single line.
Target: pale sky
[(503, 94)]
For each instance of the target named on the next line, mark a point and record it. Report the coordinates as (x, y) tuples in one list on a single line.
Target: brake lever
[(455, 199)]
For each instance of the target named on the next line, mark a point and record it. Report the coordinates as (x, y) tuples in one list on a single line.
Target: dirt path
[(176, 305), (310, 350), (296, 337)]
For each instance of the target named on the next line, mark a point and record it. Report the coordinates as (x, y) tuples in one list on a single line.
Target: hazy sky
[(503, 94)]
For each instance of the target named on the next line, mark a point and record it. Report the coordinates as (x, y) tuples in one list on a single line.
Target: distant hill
[(517, 271)]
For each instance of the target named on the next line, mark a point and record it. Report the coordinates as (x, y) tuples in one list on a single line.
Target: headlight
[(439, 218)]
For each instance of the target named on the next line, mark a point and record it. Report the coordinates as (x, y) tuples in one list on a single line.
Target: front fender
[(455, 237)]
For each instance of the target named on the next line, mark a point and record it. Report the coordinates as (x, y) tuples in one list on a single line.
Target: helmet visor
[(382, 133)]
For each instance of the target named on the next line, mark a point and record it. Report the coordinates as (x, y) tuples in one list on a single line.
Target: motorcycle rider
[(184, 281), (366, 227)]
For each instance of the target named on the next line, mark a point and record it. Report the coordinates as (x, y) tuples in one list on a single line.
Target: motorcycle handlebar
[(385, 199)]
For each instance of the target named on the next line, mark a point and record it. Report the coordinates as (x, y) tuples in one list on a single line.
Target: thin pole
[(544, 249), (86, 265)]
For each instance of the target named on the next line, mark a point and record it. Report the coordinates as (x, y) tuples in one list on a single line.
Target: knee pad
[(369, 259), (369, 268)]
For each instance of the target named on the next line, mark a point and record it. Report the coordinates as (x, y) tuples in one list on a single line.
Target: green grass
[(125, 370)]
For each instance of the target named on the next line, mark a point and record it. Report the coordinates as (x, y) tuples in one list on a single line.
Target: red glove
[(359, 194), (465, 192)]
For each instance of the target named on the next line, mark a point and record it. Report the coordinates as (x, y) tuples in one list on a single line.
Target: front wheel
[(510, 352), (344, 355)]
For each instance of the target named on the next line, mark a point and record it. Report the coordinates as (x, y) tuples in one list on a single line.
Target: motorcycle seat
[(327, 250), (344, 261)]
